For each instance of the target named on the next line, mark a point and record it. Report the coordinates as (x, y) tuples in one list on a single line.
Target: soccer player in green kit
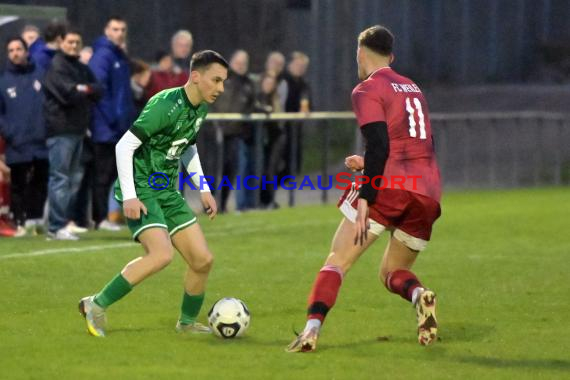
[(158, 216)]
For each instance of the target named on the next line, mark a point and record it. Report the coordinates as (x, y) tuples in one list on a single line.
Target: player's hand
[(209, 203), (354, 163), (4, 170), (361, 223), (132, 208)]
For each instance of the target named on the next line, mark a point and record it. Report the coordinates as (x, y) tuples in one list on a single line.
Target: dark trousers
[(230, 166), (105, 173), (80, 213), (293, 139), (275, 142), (28, 190)]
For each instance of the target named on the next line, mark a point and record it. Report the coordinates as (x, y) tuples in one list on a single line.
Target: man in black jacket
[(70, 91)]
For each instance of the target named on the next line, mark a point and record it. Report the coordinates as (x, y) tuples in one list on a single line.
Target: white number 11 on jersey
[(411, 111)]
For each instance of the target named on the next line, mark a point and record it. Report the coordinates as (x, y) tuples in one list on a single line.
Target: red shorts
[(410, 212)]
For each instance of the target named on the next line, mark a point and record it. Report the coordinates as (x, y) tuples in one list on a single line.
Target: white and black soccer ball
[(229, 318)]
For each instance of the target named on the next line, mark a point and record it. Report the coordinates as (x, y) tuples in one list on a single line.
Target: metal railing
[(475, 150), (258, 119)]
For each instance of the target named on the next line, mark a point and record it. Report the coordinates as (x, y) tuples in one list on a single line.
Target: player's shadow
[(136, 330), (370, 341), (543, 364), (464, 332)]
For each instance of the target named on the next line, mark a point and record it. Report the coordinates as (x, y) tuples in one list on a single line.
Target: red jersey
[(386, 96)]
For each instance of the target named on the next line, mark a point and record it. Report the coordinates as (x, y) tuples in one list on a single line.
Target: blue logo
[(158, 181)]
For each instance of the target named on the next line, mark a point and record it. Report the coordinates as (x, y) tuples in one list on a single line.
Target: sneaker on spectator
[(108, 226), (36, 226), (20, 231), (75, 229), (6, 229), (62, 234)]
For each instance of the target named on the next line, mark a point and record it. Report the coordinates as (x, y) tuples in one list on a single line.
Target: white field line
[(56, 251), (222, 232)]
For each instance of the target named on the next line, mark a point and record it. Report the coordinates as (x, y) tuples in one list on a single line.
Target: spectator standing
[(267, 100), (44, 52), (31, 34), (181, 45), (71, 90), (238, 97), (6, 229), (85, 54), (298, 99), (140, 78), (165, 75), (113, 114), (22, 125), (274, 63)]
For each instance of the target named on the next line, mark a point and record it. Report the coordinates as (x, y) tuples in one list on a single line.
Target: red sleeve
[(367, 106)]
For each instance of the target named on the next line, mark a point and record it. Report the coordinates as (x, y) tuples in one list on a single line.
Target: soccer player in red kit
[(393, 117)]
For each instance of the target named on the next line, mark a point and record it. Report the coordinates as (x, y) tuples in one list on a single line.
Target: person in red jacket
[(6, 229), (165, 75)]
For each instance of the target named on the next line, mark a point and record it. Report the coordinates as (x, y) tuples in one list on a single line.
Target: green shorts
[(167, 210)]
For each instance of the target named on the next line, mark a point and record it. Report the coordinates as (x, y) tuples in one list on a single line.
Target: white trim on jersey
[(191, 160), (124, 151)]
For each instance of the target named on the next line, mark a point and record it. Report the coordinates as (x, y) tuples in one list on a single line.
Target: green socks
[(116, 289), (119, 287), (191, 306)]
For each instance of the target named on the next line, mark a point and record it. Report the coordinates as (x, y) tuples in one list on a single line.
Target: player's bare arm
[(209, 203)]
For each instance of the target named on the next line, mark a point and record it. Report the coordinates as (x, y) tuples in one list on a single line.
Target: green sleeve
[(153, 118)]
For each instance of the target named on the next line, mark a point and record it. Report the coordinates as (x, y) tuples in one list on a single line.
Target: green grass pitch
[(498, 261)]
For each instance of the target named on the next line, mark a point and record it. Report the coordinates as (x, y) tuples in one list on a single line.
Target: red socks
[(402, 282), (324, 293), (326, 287)]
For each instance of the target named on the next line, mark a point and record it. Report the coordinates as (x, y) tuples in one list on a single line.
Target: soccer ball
[(228, 318)]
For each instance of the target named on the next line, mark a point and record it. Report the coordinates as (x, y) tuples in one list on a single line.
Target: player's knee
[(163, 258), (204, 264)]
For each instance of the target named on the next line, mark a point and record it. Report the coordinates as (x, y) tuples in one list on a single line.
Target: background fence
[(474, 150), (463, 42)]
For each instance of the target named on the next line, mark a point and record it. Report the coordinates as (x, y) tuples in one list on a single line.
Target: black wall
[(438, 41)]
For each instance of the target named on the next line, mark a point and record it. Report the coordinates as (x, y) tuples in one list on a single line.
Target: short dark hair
[(202, 59), (159, 55), (55, 29), (115, 18), (377, 38), (16, 38), (138, 66), (72, 30)]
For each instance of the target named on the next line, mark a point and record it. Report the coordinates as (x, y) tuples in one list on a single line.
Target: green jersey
[(167, 126)]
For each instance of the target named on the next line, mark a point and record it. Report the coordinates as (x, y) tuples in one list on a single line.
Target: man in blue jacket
[(113, 114), (23, 127), (42, 51)]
